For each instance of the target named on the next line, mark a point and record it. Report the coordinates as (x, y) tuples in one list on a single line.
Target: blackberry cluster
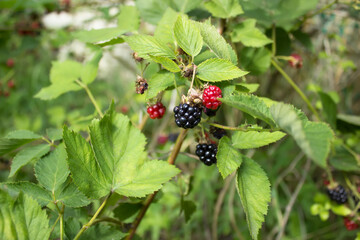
[(206, 153), (210, 97), (187, 116), (156, 111), (338, 194)]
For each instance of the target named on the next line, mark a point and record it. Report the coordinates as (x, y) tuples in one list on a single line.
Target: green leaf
[(352, 119), (52, 170), (329, 107), (224, 8), (255, 60), (253, 87), (129, 18), (214, 70), (145, 45), (228, 158), (103, 232), (253, 139), (90, 69), (26, 155), (126, 210), (54, 134), (252, 105), (185, 6), (71, 196), (254, 189), (314, 138), (189, 208), (340, 209), (247, 33), (160, 82), (15, 140), (165, 28), (152, 10), (111, 42), (188, 36), (216, 43), (98, 35), (115, 161), (342, 160), (167, 63), (62, 77), (42, 196)]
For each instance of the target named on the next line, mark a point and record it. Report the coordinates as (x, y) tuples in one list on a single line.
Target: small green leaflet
[(162, 81), (90, 69), (167, 63), (115, 161), (189, 209), (224, 8), (70, 195), (214, 70), (247, 33), (228, 158), (254, 139), (188, 36), (254, 189), (42, 196), (129, 18), (16, 139), (145, 45)]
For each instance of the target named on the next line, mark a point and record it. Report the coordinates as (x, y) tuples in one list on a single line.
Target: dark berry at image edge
[(206, 153), (187, 116), (338, 194)]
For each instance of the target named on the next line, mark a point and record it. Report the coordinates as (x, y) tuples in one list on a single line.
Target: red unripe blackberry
[(156, 111), (187, 116), (10, 62), (210, 97), (296, 61), (11, 84), (6, 93), (338, 194), (350, 224), (162, 139), (206, 153)]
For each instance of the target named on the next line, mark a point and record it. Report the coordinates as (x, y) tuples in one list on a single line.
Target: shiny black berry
[(210, 112), (338, 194), (217, 132), (187, 116), (206, 153)]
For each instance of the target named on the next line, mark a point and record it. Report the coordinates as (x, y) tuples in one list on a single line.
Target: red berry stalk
[(210, 97), (296, 61), (156, 111)]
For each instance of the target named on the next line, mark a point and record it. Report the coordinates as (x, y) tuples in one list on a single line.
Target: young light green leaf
[(52, 170), (42, 196), (26, 155), (16, 139), (145, 45), (340, 209), (214, 70), (247, 33), (252, 105), (253, 139), (90, 69), (216, 43), (228, 158), (165, 28), (167, 63), (188, 36), (22, 134), (254, 189), (98, 35), (160, 82), (129, 18), (224, 8)]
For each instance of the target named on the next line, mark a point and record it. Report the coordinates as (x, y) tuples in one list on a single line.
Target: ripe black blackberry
[(187, 116), (338, 194), (217, 132), (206, 153), (210, 112)]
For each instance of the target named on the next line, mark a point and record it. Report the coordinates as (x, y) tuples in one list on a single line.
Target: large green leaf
[(99, 35), (216, 43), (188, 36), (152, 10), (247, 33), (254, 139), (16, 139), (228, 158), (165, 28), (214, 70), (145, 45), (52, 170), (70, 195), (254, 189), (23, 219), (252, 105), (26, 155), (115, 161), (129, 18), (224, 8)]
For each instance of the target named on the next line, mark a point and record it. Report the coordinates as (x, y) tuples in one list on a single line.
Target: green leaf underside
[(52, 170), (224, 8), (216, 43), (247, 33), (22, 219), (129, 18), (214, 70), (115, 161), (188, 36), (254, 189), (252, 105), (314, 138), (228, 158), (42, 196), (167, 63), (16, 139), (160, 82), (253, 139), (98, 35), (26, 155)]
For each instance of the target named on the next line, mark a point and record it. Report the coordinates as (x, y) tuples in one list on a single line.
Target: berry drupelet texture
[(210, 97), (187, 116), (156, 111), (206, 153), (338, 194)]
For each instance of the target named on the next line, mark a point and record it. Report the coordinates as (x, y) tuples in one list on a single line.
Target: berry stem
[(143, 122), (150, 198), (296, 88), (91, 96), (273, 39), (8, 76), (193, 77), (243, 129)]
